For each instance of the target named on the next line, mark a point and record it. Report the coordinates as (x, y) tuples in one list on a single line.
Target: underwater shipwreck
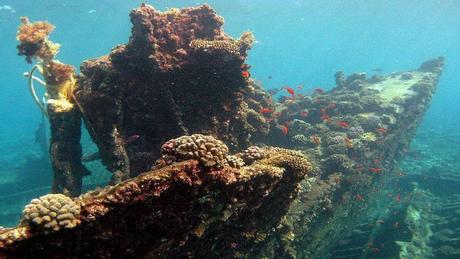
[(205, 162)]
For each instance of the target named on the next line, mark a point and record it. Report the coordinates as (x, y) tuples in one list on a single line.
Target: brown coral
[(229, 46), (209, 151), (32, 37), (8, 236), (235, 162), (51, 212), (246, 40), (286, 158), (57, 72), (252, 154)]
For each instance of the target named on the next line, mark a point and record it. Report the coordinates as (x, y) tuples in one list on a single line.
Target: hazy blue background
[(299, 42)]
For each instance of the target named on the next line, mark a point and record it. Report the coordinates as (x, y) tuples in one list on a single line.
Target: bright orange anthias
[(289, 90), (284, 129), (375, 170), (266, 110), (326, 118), (343, 124), (382, 131)]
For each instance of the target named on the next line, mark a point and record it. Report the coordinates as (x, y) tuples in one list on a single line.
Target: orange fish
[(375, 170), (284, 129), (319, 90), (325, 117), (382, 130), (304, 113), (245, 74), (359, 197), (266, 110), (290, 90), (343, 124)]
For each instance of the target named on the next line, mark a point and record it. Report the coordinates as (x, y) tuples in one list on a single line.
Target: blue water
[(299, 42)]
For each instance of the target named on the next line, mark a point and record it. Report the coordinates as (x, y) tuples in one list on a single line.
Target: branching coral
[(51, 212)]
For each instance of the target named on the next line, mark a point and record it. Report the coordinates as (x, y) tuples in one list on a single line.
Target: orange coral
[(33, 32), (32, 36), (57, 72)]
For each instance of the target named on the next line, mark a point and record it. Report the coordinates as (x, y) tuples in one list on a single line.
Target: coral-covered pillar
[(64, 115), (65, 151)]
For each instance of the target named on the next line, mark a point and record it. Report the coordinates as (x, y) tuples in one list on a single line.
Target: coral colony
[(189, 137)]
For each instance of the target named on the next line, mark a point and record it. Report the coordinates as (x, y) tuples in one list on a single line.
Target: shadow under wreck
[(211, 192)]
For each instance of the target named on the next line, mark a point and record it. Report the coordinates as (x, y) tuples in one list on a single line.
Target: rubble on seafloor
[(181, 75)]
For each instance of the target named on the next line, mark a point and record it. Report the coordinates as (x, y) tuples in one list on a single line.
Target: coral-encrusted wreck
[(169, 212), (180, 75)]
